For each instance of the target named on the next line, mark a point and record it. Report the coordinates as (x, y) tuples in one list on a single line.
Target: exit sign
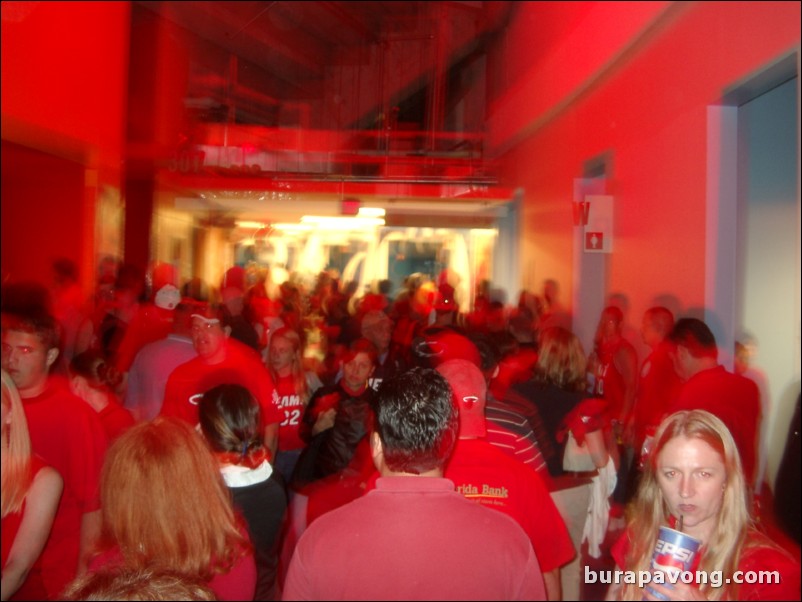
[(350, 206)]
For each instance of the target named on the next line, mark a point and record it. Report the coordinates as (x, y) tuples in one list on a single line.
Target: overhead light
[(342, 223), (249, 225), (371, 212), (292, 227)]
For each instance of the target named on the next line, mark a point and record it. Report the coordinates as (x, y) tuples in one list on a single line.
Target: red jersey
[(287, 399)]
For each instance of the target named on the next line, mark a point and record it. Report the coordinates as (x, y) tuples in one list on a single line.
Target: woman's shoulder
[(759, 550), (774, 571), (46, 474), (41, 471)]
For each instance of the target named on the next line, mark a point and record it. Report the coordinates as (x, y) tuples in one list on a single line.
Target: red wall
[(646, 104), (42, 212), (64, 74)]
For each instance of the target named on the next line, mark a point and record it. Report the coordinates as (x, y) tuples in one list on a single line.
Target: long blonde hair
[(561, 360), (16, 453), (298, 373), (164, 502), (649, 511)]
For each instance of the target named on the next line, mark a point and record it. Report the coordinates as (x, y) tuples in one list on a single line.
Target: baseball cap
[(206, 313), (167, 297), (438, 345), (470, 393)]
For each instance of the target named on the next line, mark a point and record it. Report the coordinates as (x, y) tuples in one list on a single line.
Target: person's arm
[(553, 586), (41, 504), (324, 421), (271, 439), (90, 533), (597, 448), (626, 362)]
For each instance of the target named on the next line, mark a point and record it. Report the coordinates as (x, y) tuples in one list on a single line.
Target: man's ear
[(377, 452), (376, 448), (51, 356), (227, 331), (76, 385)]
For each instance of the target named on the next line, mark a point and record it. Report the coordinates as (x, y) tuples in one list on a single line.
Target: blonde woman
[(694, 472), (556, 402), (294, 387), (165, 505), (30, 495)]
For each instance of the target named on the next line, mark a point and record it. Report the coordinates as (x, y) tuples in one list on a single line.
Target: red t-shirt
[(149, 324), (658, 386), (241, 366), (115, 420), (66, 433), (610, 383), (292, 408), (484, 473)]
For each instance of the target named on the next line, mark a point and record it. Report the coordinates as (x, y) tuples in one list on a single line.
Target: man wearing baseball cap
[(484, 473), (220, 361), (153, 320)]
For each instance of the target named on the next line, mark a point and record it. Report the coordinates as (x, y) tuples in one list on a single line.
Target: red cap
[(470, 393), (446, 344)]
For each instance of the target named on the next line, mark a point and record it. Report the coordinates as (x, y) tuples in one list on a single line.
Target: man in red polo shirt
[(413, 537)]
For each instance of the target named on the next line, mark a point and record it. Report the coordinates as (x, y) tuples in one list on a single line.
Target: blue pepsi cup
[(674, 553)]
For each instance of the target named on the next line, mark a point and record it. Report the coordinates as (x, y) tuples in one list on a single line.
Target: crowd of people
[(255, 441)]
